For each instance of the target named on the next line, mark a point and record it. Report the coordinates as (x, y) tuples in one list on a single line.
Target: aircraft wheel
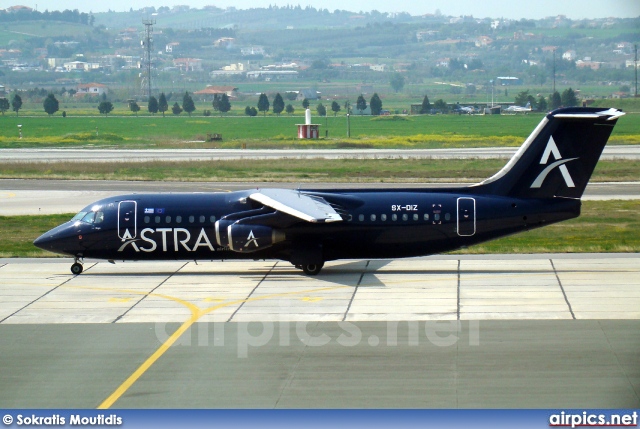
[(312, 269), (76, 268)]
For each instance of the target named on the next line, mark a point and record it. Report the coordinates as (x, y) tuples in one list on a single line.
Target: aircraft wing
[(304, 206)]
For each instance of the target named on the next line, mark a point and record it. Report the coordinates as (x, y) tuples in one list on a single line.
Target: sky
[(511, 9)]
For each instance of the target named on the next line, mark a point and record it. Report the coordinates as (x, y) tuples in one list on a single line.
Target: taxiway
[(550, 331)]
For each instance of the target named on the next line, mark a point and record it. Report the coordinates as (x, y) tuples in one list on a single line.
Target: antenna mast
[(145, 83)]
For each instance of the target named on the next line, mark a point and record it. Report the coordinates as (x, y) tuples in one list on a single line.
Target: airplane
[(519, 109), (464, 110), (542, 184)]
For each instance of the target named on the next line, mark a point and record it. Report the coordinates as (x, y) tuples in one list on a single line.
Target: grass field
[(299, 170), (422, 131), (604, 226)]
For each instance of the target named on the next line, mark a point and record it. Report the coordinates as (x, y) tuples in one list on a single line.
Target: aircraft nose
[(45, 241), (55, 239)]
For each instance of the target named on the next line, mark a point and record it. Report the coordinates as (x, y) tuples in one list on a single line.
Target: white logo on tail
[(251, 239), (552, 149)]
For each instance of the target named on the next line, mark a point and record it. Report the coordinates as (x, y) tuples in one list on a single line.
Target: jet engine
[(251, 238)]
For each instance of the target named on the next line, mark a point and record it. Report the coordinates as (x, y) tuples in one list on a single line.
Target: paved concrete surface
[(444, 331), (144, 155), (590, 286), (24, 197)]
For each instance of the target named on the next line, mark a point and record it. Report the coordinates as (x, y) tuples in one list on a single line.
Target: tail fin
[(559, 156), (528, 105)]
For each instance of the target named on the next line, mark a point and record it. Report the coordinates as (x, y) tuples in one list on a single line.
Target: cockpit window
[(91, 217), (78, 216)]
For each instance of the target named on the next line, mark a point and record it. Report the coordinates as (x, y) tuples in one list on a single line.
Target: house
[(223, 42), (309, 94), (272, 74), (569, 55), (483, 41), (252, 51), (507, 80), (169, 47), (587, 63), (188, 64), (80, 66), (91, 89), (210, 91)]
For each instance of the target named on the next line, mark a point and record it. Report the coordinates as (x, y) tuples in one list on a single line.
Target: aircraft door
[(466, 216), (127, 220)]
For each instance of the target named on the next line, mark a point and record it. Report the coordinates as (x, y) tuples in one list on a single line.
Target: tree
[(376, 104), (426, 105), (250, 111), (555, 101), (263, 103), (397, 82), (524, 97), (176, 109), (335, 106), (50, 104), (441, 105), (187, 103), (16, 103), (569, 98), (224, 105), (278, 104), (4, 105), (361, 104), (289, 109), (105, 107), (542, 104), (133, 106), (322, 111), (163, 106), (305, 103), (216, 102), (152, 106)]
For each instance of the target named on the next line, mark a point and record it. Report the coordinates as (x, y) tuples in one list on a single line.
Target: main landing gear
[(76, 268), (311, 269)]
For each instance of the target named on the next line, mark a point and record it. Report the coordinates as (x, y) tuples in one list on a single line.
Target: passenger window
[(179, 219), (201, 219), (212, 219), (361, 217), (147, 219), (373, 218), (350, 218), (436, 217), (383, 217), (157, 219), (447, 216), (191, 219), (426, 216), (405, 217), (167, 219), (394, 217), (415, 216)]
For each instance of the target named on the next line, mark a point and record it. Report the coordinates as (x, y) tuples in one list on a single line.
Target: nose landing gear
[(76, 268)]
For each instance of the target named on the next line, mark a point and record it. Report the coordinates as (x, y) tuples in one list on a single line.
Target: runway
[(550, 331), (186, 154), (26, 197)]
